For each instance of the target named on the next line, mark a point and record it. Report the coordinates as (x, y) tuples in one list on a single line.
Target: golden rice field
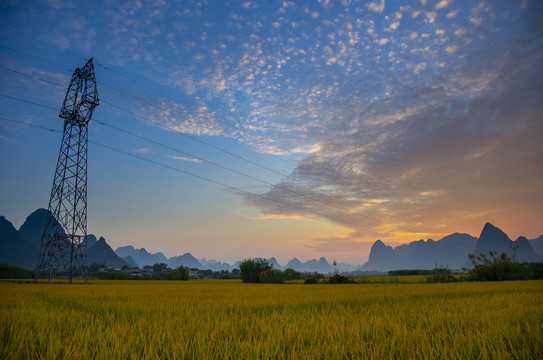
[(224, 319)]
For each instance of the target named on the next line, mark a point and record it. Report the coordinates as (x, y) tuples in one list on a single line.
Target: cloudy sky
[(232, 129)]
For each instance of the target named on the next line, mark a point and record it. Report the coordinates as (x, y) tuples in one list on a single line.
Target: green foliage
[(260, 271), (291, 274), (502, 267), (181, 273), (159, 267), (340, 279), (249, 271), (271, 276), (441, 275), (15, 272), (409, 272), (115, 275), (94, 267), (311, 280)]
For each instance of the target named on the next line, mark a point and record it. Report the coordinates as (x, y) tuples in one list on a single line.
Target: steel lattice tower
[(63, 245)]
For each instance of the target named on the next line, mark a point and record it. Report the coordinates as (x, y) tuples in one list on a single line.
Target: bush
[(181, 273), (260, 271), (311, 280), (441, 275), (272, 276), (340, 279), (409, 272), (15, 272), (291, 274), (502, 267), (249, 271), (116, 275)]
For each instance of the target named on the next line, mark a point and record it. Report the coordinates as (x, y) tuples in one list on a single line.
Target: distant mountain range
[(21, 247), (451, 251)]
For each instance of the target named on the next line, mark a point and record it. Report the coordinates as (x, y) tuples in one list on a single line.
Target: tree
[(95, 266), (249, 271), (260, 270), (159, 267), (502, 267), (180, 273), (291, 274)]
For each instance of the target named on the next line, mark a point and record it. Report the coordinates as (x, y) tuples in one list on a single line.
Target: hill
[(21, 247), (451, 251)]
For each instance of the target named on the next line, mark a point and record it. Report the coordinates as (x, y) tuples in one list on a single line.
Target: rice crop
[(225, 319)]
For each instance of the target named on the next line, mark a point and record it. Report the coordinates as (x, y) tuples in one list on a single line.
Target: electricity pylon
[(63, 246)]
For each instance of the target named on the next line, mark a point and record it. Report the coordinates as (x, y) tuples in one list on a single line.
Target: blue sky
[(331, 123)]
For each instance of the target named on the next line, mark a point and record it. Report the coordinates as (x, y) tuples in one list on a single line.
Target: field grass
[(224, 319)]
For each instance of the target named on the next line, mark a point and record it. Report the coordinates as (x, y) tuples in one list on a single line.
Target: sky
[(236, 129)]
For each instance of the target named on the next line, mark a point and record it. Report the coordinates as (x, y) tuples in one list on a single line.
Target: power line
[(222, 166), (36, 58), (43, 42), (194, 175), (207, 161), (209, 145), (229, 169), (120, 74), (194, 138), (28, 102), (31, 76), (29, 124)]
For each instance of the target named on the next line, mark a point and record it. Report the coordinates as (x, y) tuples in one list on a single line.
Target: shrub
[(441, 275), (502, 267), (116, 275), (409, 272), (15, 272), (181, 273), (311, 280), (271, 276), (291, 274), (340, 279), (260, 271)]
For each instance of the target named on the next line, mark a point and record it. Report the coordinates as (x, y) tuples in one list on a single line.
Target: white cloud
[(452, 14), (377, 7), (451, 49), (442, 4), (175, 157), (460, 32), (394, 25), (431, 15), (420, 67), (144, 150)]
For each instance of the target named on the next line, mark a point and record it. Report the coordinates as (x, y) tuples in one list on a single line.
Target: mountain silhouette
[(537, 245), (131, 263), (21, 247), (186, 260), (524, 252), (494, 239), (90, 240), (102, 253), (32, 228), (141, 256), (216, 265), (14, 248), (451, 251), (382, 258)]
